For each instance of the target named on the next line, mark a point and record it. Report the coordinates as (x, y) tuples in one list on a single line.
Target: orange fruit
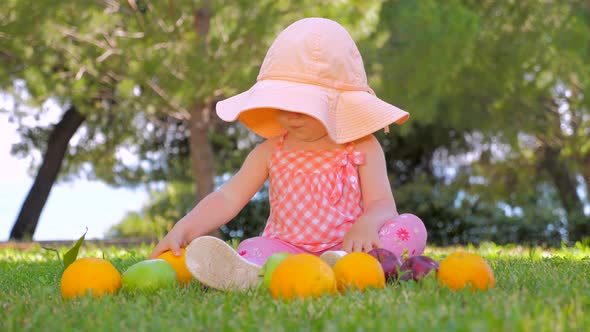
[(358, 270), (179, 265), (89, 275), (302, 275), (461, 269)]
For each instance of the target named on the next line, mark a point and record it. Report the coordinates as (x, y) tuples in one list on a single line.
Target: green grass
[(537, 290)]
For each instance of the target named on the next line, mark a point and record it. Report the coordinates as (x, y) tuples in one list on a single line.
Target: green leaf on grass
[(56, 252), (72, 254)]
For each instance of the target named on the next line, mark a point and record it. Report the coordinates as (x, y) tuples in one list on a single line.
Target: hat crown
[(316, 51)]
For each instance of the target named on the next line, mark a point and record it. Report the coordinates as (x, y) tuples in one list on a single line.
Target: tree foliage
[(145, 75), (492, 90), (497, 143)]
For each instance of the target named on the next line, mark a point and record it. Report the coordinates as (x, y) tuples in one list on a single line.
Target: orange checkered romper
[(314, 196)]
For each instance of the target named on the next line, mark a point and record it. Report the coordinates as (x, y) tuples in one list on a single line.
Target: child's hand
[(360, 238), (173, 241)]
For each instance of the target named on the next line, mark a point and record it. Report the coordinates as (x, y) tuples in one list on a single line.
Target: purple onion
[(417, 267), (389, 261)]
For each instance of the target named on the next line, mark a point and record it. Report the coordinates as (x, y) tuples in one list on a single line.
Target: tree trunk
[(29, 214), (566, 184), (202, 158), (581, 229), (203, 162)]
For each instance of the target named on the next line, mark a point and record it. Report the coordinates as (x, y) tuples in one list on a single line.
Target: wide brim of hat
[(347, 115)]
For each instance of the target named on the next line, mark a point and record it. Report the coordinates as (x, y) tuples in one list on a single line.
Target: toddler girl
[(328, 184)]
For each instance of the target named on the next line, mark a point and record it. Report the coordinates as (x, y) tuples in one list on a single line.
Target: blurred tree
[(108, 61), (492, 90), (53, 71), (470, 74), (231, 142), (539, 110), (494, 147), (143, 76)]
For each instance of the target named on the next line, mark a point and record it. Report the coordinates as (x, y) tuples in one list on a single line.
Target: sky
[(70, 208)]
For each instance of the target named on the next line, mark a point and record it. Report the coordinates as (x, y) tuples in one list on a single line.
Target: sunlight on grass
[(538, 289)]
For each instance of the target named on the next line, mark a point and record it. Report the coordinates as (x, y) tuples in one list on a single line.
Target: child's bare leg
[(257, 249)]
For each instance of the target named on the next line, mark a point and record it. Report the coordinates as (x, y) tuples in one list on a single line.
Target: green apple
[(271, 264), (149, 276)]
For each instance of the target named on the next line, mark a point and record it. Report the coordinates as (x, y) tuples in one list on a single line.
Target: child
[(328, 184)]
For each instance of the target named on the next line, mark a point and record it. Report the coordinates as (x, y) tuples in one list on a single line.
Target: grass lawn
[(537, 290)]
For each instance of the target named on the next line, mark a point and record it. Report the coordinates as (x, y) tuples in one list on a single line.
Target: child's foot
[(332, 256), (215, 264)]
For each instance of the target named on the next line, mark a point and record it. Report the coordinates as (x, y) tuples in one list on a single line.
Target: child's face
[(301, 126)]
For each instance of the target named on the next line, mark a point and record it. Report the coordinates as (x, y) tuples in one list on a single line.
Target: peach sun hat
[(313, 67)]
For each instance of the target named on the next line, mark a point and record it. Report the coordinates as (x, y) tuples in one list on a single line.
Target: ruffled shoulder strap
[(279, 145), (357, 157)]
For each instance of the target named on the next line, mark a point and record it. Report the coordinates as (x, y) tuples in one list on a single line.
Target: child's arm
[(378, 201), (219, 207)]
